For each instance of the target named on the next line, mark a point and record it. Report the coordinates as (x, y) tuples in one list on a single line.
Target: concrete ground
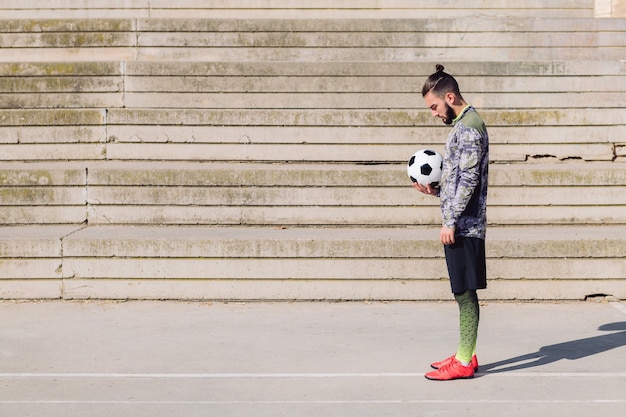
[(66, 359)]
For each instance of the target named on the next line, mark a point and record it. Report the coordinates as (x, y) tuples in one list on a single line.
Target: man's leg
[(469, 315)]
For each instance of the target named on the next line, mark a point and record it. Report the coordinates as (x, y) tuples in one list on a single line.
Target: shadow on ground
[(575, 349)]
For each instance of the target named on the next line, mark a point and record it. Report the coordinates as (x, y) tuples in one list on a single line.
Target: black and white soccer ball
[(425, 166)]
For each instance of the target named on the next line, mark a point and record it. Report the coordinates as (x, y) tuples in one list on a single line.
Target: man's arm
[(468, 177)]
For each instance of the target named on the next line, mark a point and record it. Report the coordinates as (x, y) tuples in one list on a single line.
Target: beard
[(450, 115)]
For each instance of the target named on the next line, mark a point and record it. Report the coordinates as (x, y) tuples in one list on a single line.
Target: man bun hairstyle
[(440, 83)]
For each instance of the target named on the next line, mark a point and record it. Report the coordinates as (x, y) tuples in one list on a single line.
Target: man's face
[(439, 108)]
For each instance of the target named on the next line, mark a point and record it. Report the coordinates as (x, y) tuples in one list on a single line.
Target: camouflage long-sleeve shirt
[(463, 189)]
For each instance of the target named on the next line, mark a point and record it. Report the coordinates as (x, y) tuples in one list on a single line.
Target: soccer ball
[(425, 166)]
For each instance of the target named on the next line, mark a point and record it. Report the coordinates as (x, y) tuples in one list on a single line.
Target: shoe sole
[(461, 377)]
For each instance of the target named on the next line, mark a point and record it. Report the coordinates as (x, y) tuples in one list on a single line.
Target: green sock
[(469, 313)]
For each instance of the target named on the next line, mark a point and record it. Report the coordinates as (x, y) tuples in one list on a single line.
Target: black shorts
[(466, 264)]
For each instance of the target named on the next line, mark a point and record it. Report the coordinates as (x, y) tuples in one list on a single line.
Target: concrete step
[(61, 85), (304, 143), (292, 85), (352, 117), (347, 53), (364, 154), (407, 40), (340, 216), (355, 117), (240, 263), (258, 194), (307, 194), (172, 92), (323, 153), (296, 100), (479, 71), (289, 9), (474, 72), (365, 135), (63, 81), (348, 38), (244, 134), (134, 139)]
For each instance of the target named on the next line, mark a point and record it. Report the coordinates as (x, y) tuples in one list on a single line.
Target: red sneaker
[(437, 365), (453, 370)]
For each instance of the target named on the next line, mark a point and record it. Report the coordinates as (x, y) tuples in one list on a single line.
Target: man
[(463, 193)]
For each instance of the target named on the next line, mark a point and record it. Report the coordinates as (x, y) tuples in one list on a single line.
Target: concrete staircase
[(206, 157), (309, 9)]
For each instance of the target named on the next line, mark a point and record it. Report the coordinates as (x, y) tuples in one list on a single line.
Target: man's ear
[(450, 98)]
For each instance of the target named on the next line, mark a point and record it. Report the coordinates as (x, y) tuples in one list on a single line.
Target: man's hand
[(446, 236), (426, 189)]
